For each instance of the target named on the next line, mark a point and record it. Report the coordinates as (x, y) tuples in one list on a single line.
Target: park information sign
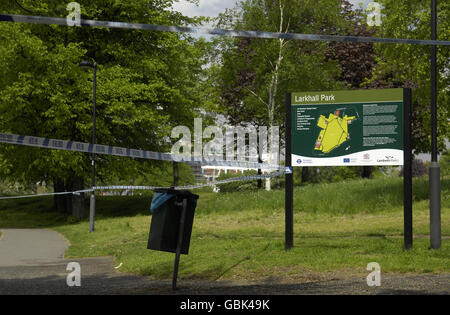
[(345, 128)]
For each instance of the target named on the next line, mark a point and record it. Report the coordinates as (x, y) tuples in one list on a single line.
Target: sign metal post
[(289, 185)]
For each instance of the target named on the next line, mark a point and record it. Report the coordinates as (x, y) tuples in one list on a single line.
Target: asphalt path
[(27, 247)]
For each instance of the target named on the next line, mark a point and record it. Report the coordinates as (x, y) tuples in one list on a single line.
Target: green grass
[(240, 236)]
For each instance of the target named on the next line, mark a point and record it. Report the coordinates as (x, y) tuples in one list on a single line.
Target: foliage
[(444, 163), (147, 83), (8, 188), (237, 185), (418, 168), (158, 173), (256, 73), (356, 60), (409, 65), (326, 174)]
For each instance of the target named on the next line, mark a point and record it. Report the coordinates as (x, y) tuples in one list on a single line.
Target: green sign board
[(344, 128)]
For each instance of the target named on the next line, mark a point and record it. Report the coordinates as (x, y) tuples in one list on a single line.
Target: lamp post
[(87, 64), (434, 175)]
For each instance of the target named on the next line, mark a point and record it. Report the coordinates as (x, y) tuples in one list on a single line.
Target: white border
[(375, 157)]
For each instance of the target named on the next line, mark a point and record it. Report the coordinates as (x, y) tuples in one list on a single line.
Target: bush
[(444, 163), (418, 169), (155, 173), (238, 185), (10, 188), (326, 174), (342, 173)]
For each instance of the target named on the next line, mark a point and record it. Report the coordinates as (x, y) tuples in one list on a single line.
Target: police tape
[(78, 192), (188, 187), (221, 32), (126, 152), (128, 187)]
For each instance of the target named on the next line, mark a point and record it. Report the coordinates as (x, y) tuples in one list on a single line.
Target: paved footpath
[(31, 262), (27, 247)]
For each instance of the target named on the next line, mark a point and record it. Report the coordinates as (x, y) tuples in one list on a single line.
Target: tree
[(147, 83), (409, 65), (356, 60), (257, 73)]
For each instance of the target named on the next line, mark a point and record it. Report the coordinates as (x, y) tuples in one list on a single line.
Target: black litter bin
[(167, 208)]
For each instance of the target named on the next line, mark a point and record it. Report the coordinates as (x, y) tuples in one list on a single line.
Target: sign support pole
[(289, 200), (407, 170)]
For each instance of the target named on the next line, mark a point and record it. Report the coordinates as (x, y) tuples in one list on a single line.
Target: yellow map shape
[(334, 132)]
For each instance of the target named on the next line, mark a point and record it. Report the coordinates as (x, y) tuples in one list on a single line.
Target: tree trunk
[(175, 174), (305, 175), (59, 201), (77, 201), (259, 170), (71, 204), (367, 172), (68, 185)]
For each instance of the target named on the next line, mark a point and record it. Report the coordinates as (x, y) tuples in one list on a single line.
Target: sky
[(212, 8)]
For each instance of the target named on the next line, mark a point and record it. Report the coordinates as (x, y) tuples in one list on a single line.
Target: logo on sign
[(299, 161), (346, 160), (388, 159)]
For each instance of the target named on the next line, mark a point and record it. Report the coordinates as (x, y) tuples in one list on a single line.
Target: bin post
[(92, 212), (179, 244)]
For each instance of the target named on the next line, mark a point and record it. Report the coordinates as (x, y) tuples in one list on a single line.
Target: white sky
[(213, 7)]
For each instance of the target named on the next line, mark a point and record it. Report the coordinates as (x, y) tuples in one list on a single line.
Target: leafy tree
[(356, 60), (147, 83), (444, 163), (400, 65), (256, 74)]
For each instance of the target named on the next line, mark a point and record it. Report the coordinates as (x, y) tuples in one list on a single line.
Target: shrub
[(238, 185), (444, 163), (418, 169)]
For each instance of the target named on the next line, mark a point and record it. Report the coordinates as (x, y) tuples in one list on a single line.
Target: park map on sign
[(334, 131)]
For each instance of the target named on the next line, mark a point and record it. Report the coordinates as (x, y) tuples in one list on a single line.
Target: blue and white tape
[(49, 143), (233, 33), (47, 194), (188, 187), (128, 187)]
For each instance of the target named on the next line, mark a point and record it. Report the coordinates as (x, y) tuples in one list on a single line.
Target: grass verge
[(240, 236)]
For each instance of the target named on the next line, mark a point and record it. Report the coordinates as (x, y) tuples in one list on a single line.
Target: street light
[(88, 64), (434, 174)]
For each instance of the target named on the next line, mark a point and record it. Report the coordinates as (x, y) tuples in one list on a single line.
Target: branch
[(29, 11), (257, 96), (281, 17)]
